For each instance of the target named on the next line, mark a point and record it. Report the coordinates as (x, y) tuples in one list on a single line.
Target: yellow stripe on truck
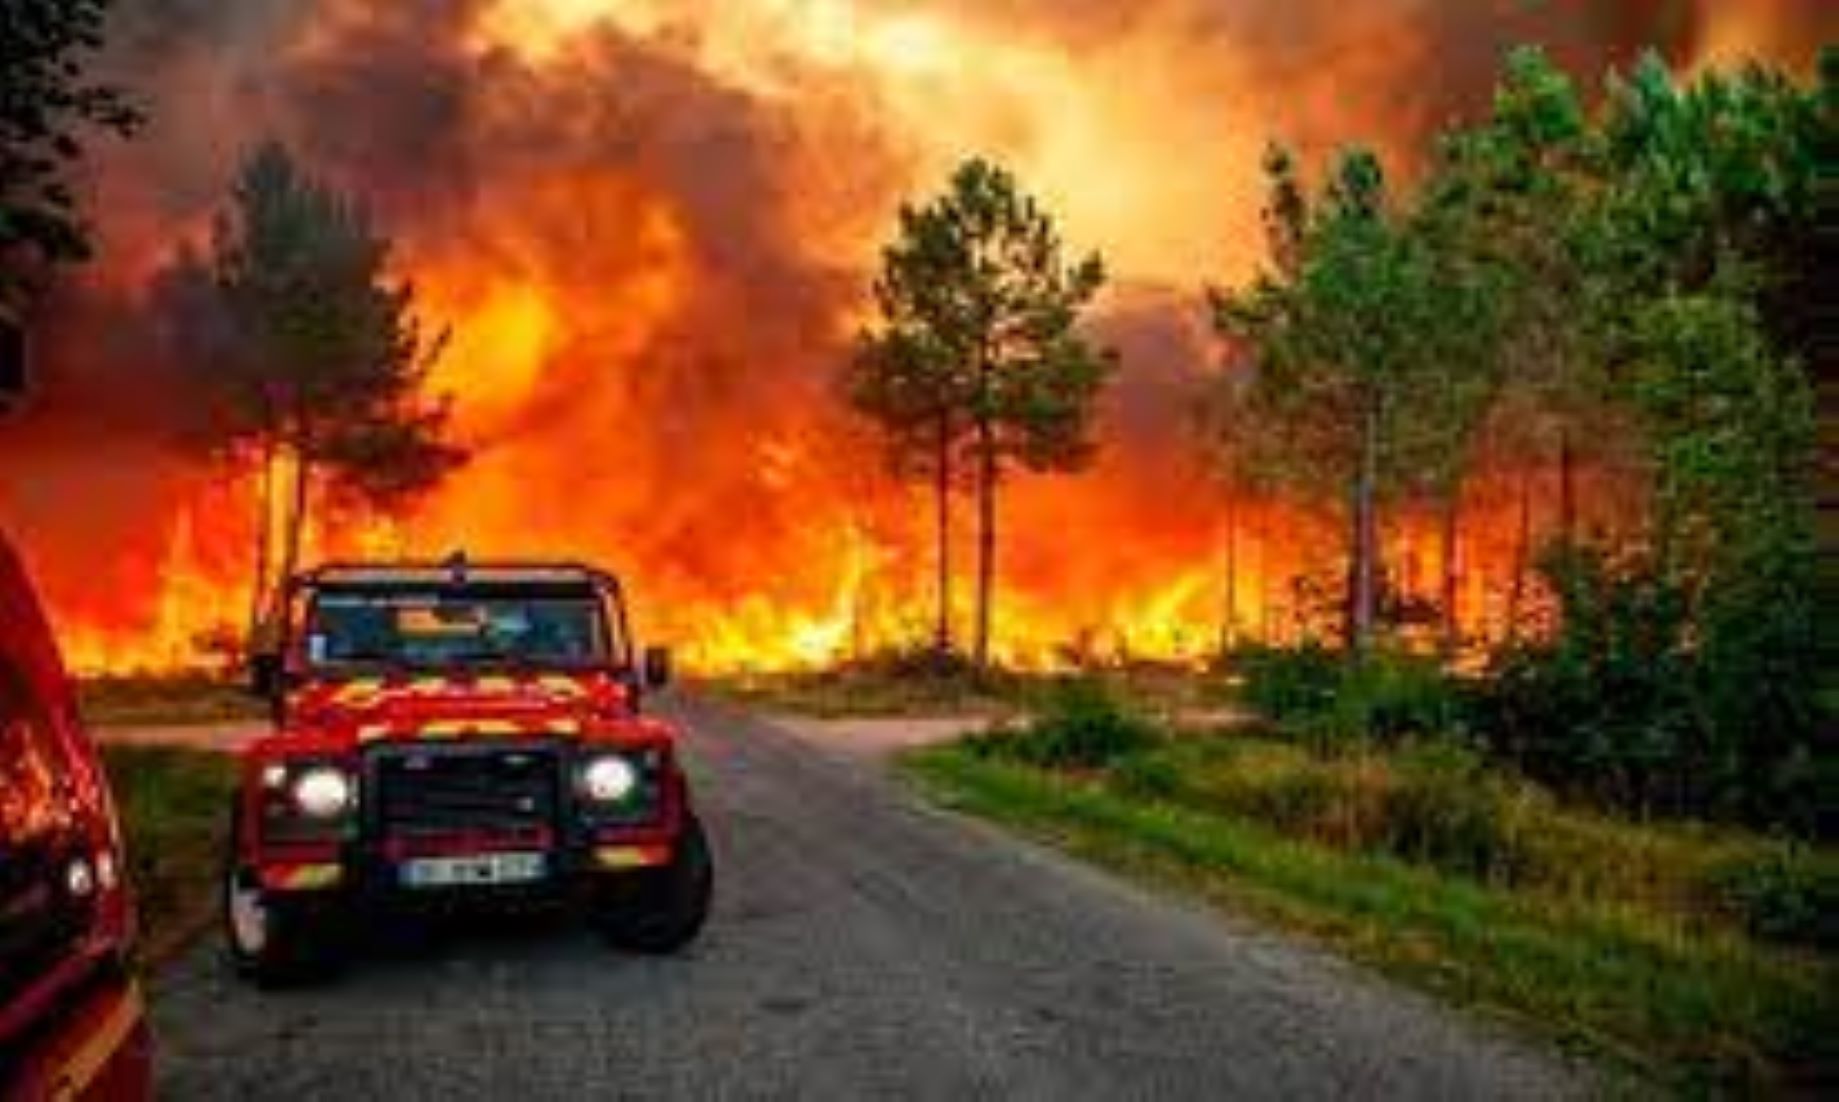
[(99, 1048), (457, 728), (561, 686), (306, 878), (631, 857), (360, 691)]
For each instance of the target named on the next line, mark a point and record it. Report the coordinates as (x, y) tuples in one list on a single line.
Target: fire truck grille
[(449, 790)]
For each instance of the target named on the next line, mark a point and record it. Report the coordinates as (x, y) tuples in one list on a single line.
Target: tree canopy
[(47, 103), (1629, 288), (310, 355), (977, 364)]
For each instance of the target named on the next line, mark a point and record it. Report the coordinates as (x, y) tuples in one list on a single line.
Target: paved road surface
[(862, 947)]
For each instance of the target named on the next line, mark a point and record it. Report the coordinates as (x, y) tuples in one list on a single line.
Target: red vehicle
[(455, 733), (72, 1023)]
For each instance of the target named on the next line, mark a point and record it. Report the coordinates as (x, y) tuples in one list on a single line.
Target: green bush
[(1390, 696), (1146, 776), (1784, 895), (1080, 726), (1284, 683), (1328, 698), (1631, 704)]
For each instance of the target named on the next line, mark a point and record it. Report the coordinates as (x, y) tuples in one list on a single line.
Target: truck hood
[(412, 706)]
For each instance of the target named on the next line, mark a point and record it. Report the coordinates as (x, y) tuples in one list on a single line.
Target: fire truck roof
[(455, 570)]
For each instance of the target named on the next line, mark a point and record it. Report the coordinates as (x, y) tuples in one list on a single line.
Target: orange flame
[(633, 393)]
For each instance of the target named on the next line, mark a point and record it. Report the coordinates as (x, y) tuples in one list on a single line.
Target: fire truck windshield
[(428, 628)]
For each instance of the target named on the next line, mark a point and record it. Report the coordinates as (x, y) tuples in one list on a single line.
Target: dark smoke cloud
[(445, 144)]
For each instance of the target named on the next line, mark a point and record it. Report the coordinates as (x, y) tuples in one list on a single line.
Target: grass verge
[(1685, 1006), (173, 812), (919, 684), (166, 699)]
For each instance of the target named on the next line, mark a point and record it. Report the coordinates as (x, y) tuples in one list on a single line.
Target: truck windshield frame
[(363, 628)]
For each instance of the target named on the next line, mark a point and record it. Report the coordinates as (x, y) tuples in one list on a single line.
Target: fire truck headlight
[(323, 792), (608, 779)]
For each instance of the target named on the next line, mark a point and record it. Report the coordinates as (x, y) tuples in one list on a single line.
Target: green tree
[(978, 362), (1708, 212), (1661, 253), (46, 104), (312, 359), (1352, 340), (919, 394), (1503, 193)]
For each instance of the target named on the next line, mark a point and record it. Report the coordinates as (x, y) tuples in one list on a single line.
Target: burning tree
[(977, 363), (45, 103), (313, 362)]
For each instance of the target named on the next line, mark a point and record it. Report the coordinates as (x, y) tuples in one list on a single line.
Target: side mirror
[(657, 667), (265, 672)]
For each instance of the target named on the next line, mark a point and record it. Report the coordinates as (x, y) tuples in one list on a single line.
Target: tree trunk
[(1452, 621), (1363, 588), (1567, 491), (1522, 557), (1229, 625), (986, 537), (295, 527), (264, 545), (942, 505)]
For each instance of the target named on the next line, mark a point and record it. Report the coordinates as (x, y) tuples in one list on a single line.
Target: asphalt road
[(862, 946)]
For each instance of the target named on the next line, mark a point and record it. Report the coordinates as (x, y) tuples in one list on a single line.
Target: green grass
[(174, 807), (1439, 805), (1686, 1002), (168, 699)]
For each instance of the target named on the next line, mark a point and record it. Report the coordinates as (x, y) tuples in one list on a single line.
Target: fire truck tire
[(274, 940), (661, 910)]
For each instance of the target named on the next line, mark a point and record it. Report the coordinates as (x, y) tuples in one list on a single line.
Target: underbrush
[(166, 699), (174, 806), (1080, 726), (919, 680), (1443, 807), (1321, 697)]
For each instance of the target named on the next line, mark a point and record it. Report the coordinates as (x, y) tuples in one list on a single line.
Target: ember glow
[(651, 225)]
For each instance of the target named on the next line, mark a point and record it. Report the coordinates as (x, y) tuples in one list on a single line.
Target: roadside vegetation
[(1692, 954), (919, 682), (1598, 306), (166, 699), (174, 811)]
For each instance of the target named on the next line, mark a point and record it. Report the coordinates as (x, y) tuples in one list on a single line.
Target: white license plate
[(484, 868)]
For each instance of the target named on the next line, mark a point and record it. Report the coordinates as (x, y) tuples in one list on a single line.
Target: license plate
[(484, 868)]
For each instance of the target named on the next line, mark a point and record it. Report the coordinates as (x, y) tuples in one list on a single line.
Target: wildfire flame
[(651, 225)]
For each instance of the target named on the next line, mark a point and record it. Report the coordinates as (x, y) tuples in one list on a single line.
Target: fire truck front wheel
[(275, 939), (661, 910)]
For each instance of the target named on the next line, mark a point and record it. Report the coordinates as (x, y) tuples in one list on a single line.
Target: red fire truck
[(71, 1017), (450, 734)]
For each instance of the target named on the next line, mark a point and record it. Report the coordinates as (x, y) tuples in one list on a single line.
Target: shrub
[(1635, 704), (1390, 696), (1146, 776), (1288, 683), (1789, 895), (912, 660), (1080, 726), (1326, 698), (1444, 808)]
